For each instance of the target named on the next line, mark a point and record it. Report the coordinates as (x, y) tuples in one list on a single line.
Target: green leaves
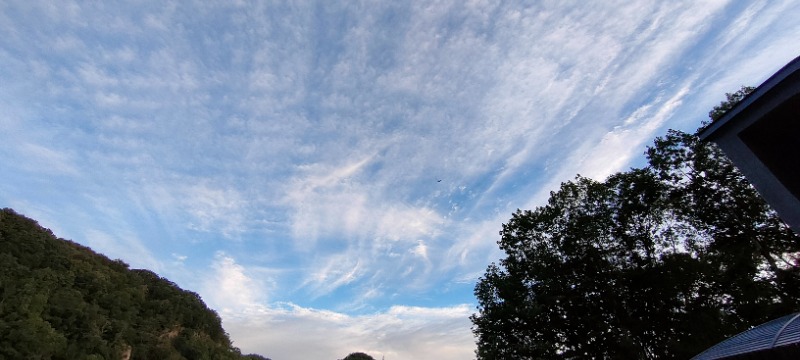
[(60, 300)]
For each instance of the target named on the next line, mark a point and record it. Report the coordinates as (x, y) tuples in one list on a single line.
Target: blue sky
[(332, 176)]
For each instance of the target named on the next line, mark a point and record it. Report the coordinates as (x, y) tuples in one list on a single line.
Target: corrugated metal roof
[(790, 333), (780, 332)]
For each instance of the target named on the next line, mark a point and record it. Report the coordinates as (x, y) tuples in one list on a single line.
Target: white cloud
[(39, 158), (617, 147), (421, 250), (401, 332), (343, 201), (121, 245), (179, 259), (374, 232), (220, 209), (288, 331), (476, 246), (332, 272), (191, 203), (231, 288), (370, 152)]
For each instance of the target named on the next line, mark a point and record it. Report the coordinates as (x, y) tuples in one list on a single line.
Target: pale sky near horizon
[(331, 176)]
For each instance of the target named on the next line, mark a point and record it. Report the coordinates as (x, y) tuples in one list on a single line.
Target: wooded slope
[(61, 300)]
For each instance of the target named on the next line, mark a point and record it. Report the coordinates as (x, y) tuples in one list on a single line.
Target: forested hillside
[(61, 300)]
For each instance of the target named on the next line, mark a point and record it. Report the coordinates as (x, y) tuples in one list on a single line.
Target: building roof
[(713, 129), (759, 134), (777, 339)]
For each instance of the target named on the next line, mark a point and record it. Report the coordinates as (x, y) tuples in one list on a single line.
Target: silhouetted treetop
[(659, 262)]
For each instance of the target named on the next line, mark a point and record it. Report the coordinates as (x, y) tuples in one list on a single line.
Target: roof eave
[(710, 132)]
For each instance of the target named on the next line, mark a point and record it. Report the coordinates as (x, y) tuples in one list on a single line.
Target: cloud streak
[(354, 160)]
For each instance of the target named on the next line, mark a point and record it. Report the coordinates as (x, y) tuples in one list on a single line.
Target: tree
[(254, 357), (653, 263), (358, 356), (60, 300), (731, 100)]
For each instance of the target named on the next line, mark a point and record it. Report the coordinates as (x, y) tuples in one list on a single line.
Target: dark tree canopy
[(731, 99), (653, 263), (61, 300), (358, 356)]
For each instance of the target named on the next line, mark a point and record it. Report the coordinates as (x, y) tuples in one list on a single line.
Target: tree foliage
[(731, 99), (61, 300), (358, 356), (653, 263)]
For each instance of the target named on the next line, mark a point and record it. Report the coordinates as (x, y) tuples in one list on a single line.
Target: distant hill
[(61, 300)]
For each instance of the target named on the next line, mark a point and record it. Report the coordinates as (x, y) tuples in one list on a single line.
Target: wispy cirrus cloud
[(360, 157)]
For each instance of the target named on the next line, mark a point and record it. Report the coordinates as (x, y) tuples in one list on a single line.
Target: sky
[(331, 176)]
